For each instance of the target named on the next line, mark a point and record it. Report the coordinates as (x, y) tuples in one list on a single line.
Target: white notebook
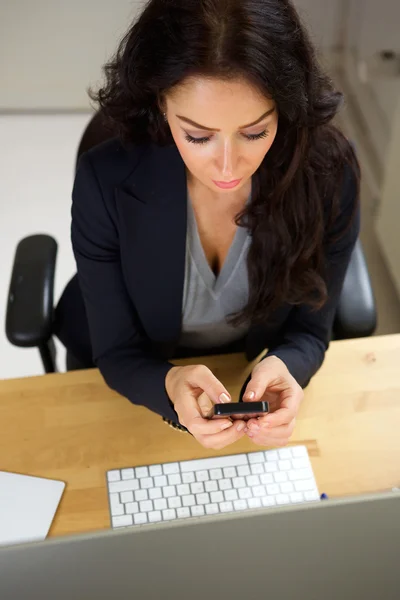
[(27, 507)]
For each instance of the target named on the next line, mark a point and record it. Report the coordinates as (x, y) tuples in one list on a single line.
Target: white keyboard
[(194, 488)]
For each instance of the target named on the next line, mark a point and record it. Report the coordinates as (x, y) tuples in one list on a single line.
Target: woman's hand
[(271, 381), (193, 390)]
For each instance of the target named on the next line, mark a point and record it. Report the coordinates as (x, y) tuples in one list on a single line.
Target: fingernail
[(226, 426), (224, 398), (254, 427), (241, 426), (250, 395), (250, 434)]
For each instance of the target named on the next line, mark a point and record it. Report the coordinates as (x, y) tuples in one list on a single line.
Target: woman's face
[(223, 130)]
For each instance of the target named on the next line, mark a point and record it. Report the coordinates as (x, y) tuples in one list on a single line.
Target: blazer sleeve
[(308, 332), (119, 344)]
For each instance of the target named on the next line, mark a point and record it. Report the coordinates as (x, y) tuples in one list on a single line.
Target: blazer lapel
[(152, 209)]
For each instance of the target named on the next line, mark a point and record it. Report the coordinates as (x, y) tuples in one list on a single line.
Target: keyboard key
[(245, 493), (267, 478), (271, 467), (240, 505), (312, 496), (124, 521), (171, 468), (284, 465), (280, 477), (169, 491), (155, 516), (183, 489), (127, 474), (188, 500), (202, 476), (287, 488), (169, 514), (273, 489), (239, 482), (229, 472), (132, 508), (296, 497), (268, 501), (174, 502), (211, 486), (126, 497), (225, 484), (259, 491), (155, 470), (155, 493), (183, 512), (197, 487), (216, 474), (175, 479), (146, 483), (217, 497), (257, 469), (256, 457), (160, 504), (271, 455), (212, 509), (301, 463), (123, 486), (115, 500), (213, 463), (226, 507), (299, 452), (243, 471), (252, 480), (141, 495), (254, 502), (231, 495), (285, 453), (300, 474), (113, 475), (188, 477), (140, 518), (160, 481), (305, 485), (197, 511), (282, 499), (146, 506), (202, 499), (117, 510), (142, 472)]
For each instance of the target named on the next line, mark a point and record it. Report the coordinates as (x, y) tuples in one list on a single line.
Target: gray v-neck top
[(207, 299)]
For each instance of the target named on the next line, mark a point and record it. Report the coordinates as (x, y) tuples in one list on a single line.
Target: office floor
[(36, 176)]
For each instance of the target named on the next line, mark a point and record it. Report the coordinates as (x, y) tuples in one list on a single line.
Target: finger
[(190, 416), (259, 428), (201, 377), (259, 382), (273, 436), (230, 436), (205, 404), (289, 408)]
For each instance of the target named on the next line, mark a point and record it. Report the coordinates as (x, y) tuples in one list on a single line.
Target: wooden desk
[(73, 428)]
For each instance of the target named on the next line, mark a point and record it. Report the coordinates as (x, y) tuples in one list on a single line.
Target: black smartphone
[(239, 410)]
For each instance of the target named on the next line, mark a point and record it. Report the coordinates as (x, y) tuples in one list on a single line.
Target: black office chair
[(30, 308)]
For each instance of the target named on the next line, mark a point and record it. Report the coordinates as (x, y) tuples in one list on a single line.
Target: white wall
[(52, 50)]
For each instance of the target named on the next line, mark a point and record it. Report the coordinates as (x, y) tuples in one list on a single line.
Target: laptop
[(347, 549)]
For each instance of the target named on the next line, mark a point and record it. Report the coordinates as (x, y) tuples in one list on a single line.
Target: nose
[(227, 161)]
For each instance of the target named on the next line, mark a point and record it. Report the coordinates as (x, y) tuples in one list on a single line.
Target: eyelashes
[(249, 137)]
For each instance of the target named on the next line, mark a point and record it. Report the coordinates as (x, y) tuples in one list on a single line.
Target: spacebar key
[(213, 463)]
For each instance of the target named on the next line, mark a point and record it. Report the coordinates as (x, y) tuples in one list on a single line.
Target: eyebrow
[(264, 116)]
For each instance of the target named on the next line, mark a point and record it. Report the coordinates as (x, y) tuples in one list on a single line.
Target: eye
[(257, 136), (193, 140)]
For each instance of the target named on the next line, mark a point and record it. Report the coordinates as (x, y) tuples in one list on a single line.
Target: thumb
[(260, 381), (201, 377)]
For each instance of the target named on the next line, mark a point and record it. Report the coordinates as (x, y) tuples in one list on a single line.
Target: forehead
[(219, 100)]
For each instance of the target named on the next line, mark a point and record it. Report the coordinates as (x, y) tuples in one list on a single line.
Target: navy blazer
[(129, 239)]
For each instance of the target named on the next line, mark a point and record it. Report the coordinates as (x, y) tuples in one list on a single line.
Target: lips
[(227, 184)]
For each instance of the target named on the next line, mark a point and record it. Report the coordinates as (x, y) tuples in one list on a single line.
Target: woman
[(221, 218)]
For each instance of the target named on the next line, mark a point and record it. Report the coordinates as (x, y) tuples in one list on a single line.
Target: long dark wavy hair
[(300, 179)]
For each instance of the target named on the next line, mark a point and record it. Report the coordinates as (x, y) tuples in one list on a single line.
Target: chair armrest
[(29, 315), (356, 314)]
